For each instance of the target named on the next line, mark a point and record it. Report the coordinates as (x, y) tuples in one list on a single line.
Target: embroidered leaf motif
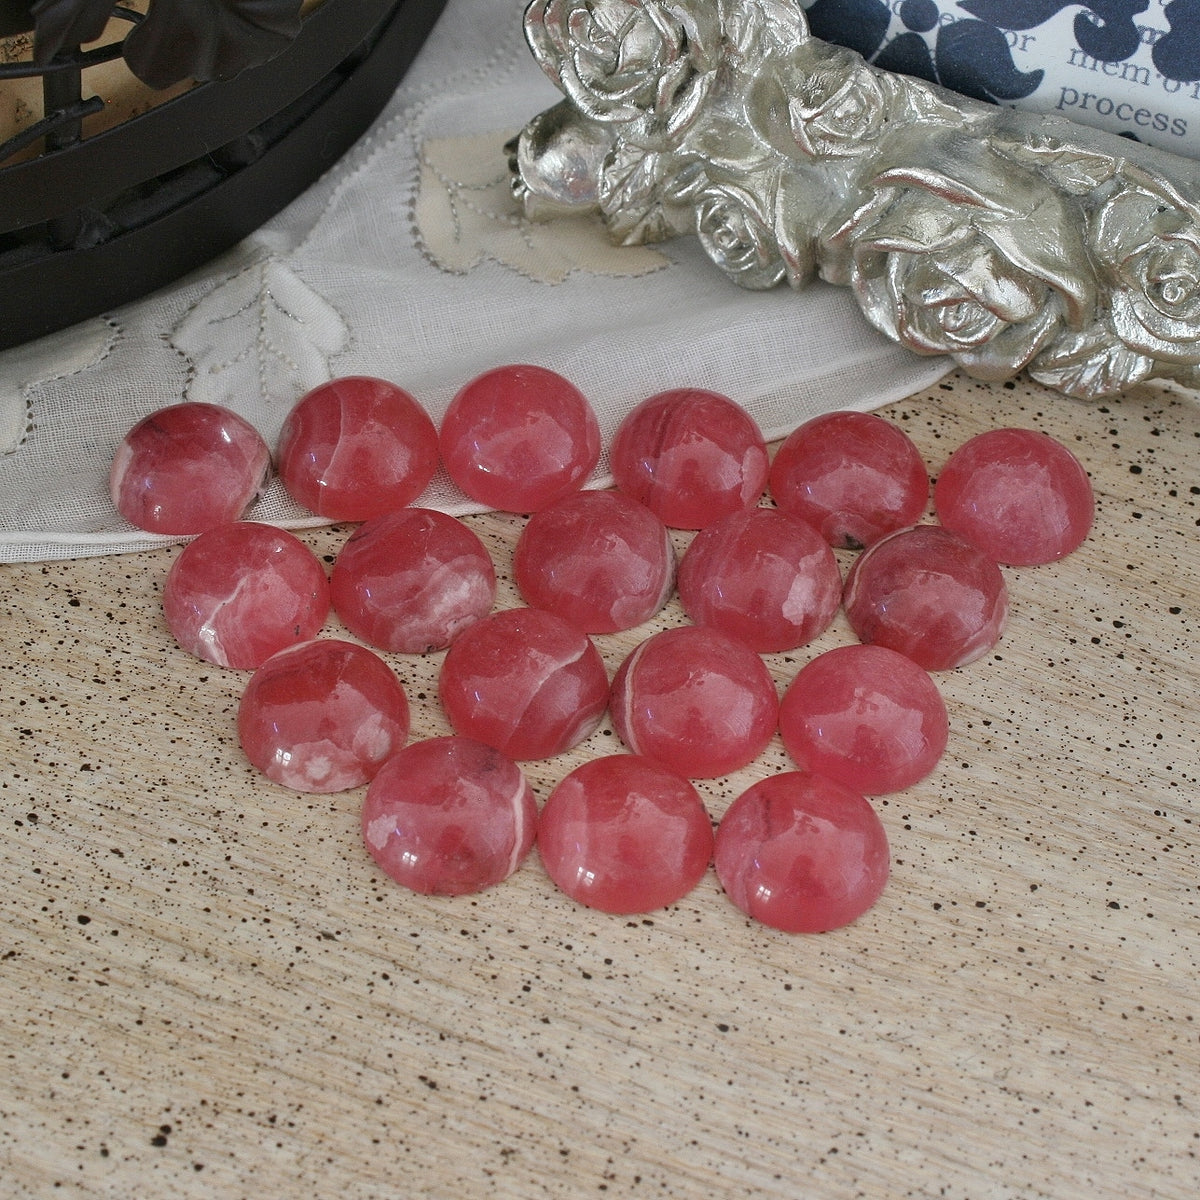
[(466, 214), (49, 358), (264, 331)]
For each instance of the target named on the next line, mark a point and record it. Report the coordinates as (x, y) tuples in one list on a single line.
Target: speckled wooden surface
[(206, 990)]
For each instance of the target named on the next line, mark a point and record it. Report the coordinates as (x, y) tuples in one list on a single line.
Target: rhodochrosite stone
[(928, 594), (524, 681), (411, 581), (243, 591), (695, 700), (866, 717), (188, 468), (322, 716), (625, 835), (853, 476), (449, 816), (518, 438), (356, 447), (801, 853), (761, 576), (690, 456), (1018, 495), (600, 559)]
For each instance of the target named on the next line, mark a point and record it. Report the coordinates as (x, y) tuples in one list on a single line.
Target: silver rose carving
[(1009, 241)]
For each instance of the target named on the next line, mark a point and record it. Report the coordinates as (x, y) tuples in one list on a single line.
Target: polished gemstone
[(928, 594), (761, 576), (598, 558), (865, 716), (853, 476), (322, 716), (356, 447), (625, 835), (188, 468), (525, 681), (518, 438), (802, 853), (1019, 495), (449, 816), (695, 700), (690, 456), (411, 581), (243, 591)]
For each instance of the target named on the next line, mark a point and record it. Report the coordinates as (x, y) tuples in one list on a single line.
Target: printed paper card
[(1129, 66)]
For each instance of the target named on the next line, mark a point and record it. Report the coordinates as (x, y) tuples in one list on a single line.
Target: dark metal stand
[(95, 223)]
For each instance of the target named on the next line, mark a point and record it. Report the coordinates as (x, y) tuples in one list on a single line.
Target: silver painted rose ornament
[(1008, 241)]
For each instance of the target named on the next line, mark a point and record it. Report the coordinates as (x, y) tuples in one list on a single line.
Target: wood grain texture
[(206, 989)]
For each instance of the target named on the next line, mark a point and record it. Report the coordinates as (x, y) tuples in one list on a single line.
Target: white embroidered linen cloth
[(409, 260)]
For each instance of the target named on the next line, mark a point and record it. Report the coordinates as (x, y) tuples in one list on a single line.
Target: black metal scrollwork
[(173, 41)]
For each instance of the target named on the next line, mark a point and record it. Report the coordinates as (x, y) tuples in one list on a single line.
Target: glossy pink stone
[(524, 681), (242, 592), (322, 716), (763, 577), (449, 816), (356, 447), (928, 594), (518, 438), (625, 835), (802, 853), (600, 559), (865, 716), (690, 456), (188, 468), (1018, 495), (696, 701), (853, 476), (411, 581)]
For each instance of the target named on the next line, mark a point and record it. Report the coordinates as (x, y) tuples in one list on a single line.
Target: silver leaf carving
[(1010, 241)]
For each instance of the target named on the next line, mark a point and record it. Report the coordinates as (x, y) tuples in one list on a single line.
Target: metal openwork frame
[(1009, 241), (89, 223)]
